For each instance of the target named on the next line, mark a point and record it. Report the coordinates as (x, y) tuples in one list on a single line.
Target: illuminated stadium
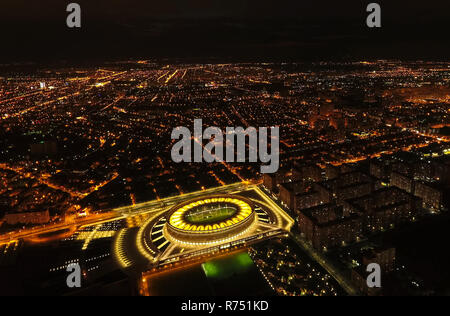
[(205, 223), (210, 219)]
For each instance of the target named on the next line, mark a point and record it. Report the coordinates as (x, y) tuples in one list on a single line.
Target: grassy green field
[(226, 267), (235, 275), (210, 216)]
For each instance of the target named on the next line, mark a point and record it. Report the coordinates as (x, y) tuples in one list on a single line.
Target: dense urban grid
[(365, 153)]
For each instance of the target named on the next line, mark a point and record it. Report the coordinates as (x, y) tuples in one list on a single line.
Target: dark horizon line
[(204, 60)]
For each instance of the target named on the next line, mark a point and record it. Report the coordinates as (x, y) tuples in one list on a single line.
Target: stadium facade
[(210, 220)]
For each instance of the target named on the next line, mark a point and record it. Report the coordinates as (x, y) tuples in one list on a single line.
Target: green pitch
[(210, 215), (225, 267)]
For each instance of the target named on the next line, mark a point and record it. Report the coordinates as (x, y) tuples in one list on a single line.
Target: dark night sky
[(50, 9), (283, 29)]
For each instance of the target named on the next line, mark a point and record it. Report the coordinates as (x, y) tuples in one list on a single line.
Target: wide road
[(142, 207), (31, 232)]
